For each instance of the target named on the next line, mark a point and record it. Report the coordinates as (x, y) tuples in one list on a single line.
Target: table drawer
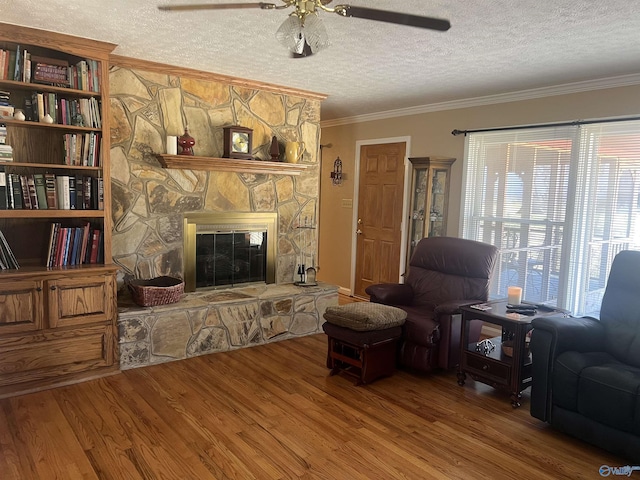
[(486, 367)]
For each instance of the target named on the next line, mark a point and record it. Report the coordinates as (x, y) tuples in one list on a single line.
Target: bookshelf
[(57, 319)]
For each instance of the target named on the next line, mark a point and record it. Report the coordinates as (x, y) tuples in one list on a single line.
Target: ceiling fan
[(303, 32)]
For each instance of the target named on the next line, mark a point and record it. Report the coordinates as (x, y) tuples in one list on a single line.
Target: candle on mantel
[(514, 295)]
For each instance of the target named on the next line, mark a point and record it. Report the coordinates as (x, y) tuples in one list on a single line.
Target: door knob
[(359, 232), (359, 221)]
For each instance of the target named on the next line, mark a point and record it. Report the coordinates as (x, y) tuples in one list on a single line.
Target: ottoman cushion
[(365, 316)]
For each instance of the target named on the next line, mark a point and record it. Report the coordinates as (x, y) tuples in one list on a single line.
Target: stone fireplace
[(229, 249), (151, 204)]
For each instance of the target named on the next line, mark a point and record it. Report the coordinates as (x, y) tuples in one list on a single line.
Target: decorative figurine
[(186, 143), (274, 151)]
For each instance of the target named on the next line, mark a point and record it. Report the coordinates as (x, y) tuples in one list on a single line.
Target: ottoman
[(362, 339)]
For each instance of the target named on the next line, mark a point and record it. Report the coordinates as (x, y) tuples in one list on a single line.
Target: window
[(559, 203)]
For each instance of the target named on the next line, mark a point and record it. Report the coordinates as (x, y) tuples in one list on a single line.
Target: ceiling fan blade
[(396, 17), (216, 6)]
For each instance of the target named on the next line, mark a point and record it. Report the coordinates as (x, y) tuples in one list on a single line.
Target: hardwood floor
[(271, 412)]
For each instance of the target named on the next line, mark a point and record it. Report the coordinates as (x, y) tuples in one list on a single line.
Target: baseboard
[(344, 291)]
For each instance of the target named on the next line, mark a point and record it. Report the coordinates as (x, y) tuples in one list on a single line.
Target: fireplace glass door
[(230, 258)]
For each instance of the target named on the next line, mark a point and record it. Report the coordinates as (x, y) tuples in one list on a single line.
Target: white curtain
[(559, 203)]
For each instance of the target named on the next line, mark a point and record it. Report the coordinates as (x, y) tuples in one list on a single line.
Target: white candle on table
[(514, 295)]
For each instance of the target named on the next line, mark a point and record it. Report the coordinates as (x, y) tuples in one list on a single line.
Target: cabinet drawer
[(20, 306), (486, 367), (80, 300), (44, 356)]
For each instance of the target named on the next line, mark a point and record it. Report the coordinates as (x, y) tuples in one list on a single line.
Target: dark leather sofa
[(586, 372), (444, 274)]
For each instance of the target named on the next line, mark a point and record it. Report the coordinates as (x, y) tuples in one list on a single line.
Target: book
[(53, 238), (40, 106), (16, 189), (72, 192), (26, 67), (10, 203), (94, 193), (24, 188), (95, 245), (17, 70), (10, 68), (86, 229), (74, 257), (100, 194), (62, 186), (50, 186), (60, 243), (33, 196), (41, 190), (68, 241), (11, 260), (86, 193), (28, 109), (3, 63), (4, 191), (50, 71)]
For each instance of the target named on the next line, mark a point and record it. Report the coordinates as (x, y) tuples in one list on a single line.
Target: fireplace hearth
[(229, 249)]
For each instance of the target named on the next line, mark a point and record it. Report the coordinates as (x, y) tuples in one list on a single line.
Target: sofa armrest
[(453, 307), (390, 293), (581, 334), (551, 336)]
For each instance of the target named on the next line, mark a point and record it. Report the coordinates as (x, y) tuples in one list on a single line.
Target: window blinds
[(559, 203)]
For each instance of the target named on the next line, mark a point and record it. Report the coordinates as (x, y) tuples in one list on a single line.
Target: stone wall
[(148, 201), (217, 321)]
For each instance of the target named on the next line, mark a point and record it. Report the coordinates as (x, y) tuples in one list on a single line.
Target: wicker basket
[(156, 291)]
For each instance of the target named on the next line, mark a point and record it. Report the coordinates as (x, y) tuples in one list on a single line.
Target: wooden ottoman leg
[(379, 360)]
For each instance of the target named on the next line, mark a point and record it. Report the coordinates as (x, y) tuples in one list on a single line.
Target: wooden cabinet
[(429, 199), (21, 306), (57, 312), (56, 328)]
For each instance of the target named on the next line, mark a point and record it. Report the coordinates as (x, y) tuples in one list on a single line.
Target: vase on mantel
[(186, 143)]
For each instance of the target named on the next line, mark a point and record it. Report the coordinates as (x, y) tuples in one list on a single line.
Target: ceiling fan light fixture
[(303, 37)]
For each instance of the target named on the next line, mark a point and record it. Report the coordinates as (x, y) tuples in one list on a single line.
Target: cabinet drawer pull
[(38, 289), (53, 287)]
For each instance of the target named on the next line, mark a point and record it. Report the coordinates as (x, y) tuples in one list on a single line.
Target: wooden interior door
[(379, 223)]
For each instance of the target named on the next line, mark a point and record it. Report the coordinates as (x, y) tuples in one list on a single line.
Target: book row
[(82, 149), (20, 65), (74, 245), (79, 149), (7, 258), (80, 112), (42, 191)]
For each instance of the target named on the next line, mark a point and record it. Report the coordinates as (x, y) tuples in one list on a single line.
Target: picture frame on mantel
[(238, 142)]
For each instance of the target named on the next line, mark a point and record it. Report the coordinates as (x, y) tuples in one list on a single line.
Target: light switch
[(347, 203)]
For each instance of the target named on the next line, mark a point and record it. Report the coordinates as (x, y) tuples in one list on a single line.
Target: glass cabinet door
[(438, 209), (416, 229), (429, 199)]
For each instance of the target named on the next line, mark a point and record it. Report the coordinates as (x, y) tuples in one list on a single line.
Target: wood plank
[(192, 162), (272, 412)]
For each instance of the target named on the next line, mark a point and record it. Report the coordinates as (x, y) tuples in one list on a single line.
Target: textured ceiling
[(493, 46)]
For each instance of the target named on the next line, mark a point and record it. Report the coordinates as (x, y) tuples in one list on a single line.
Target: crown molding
[(564, 89)]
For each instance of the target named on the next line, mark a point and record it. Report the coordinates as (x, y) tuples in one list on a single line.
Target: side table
[(503, 361)]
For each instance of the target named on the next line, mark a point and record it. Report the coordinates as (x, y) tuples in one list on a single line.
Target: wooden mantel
[(188, 162)]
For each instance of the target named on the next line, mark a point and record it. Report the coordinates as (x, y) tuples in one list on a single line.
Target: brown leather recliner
[(444, 274)]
